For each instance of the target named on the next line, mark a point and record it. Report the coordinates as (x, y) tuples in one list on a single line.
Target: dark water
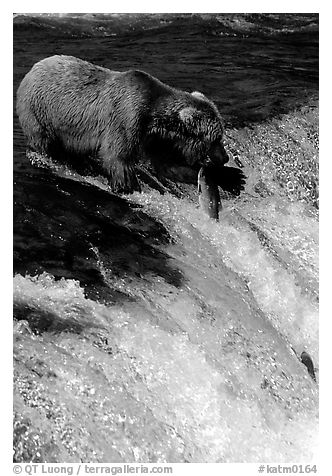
[(143, 331), (249, 74)]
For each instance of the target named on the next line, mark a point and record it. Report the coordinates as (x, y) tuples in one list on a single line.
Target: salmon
[(209, 198), (307, 361)]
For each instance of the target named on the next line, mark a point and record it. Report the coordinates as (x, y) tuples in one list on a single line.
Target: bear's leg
[(37, 138), (121, 173)]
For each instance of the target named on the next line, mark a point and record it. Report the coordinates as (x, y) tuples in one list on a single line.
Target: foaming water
[(280, 268), (178, 378)]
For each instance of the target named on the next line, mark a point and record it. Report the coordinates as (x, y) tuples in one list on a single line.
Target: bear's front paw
[(230, 179)]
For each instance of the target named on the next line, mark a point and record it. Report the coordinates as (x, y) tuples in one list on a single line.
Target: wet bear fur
[(68, 107)]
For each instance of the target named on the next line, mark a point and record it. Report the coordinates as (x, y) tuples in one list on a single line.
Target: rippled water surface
[(143, 330)]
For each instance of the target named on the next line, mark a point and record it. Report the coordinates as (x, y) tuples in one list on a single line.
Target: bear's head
[(193, 125)]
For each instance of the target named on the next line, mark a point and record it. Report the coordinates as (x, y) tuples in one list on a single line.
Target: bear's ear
[(187, 114), (198, 95)]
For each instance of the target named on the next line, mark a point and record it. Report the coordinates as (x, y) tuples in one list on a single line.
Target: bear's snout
[(218, 154)]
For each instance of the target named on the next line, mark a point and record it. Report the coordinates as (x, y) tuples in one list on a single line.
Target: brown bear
[(69, 107)]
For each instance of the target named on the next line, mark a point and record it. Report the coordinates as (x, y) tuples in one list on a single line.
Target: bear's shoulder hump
[(138, 75)]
